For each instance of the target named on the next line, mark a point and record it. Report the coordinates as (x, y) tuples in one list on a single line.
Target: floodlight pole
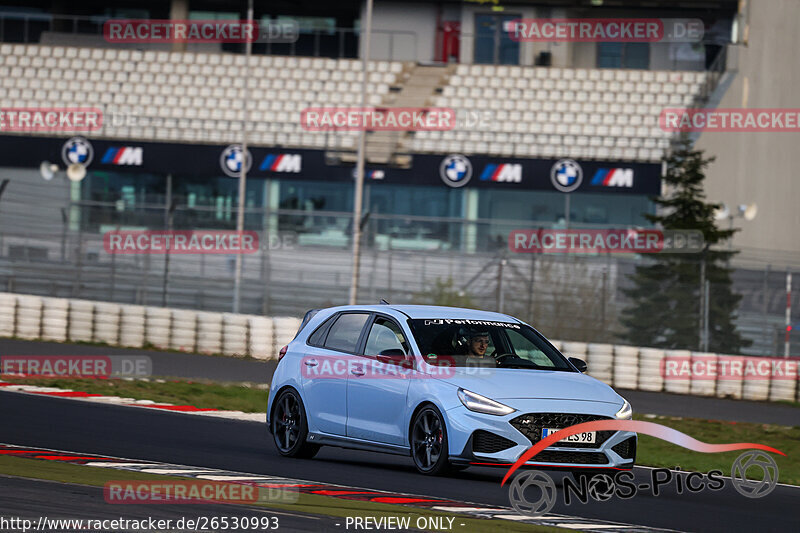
[(3, 185), (237, 280), (366, 32), (787, 341)]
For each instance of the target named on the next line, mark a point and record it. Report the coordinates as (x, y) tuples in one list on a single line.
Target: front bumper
[(480, 439)]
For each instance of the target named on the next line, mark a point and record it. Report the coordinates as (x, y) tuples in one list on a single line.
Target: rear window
[(316, 338), (344, 333)]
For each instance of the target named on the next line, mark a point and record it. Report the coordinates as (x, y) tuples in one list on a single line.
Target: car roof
[(429, 311)]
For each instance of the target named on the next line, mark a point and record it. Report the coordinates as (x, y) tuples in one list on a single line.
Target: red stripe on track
[(182, 408), (69, 458)]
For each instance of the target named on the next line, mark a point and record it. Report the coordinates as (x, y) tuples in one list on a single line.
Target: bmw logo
[(455, 170), (231, 160), (77, 150), (566, 175)]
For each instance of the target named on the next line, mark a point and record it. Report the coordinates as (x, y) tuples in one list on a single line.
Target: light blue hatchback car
[(450, 387)]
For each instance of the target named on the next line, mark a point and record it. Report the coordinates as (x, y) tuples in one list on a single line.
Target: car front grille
[(626, 449), (588, 458), (531, 425), (487, 442)]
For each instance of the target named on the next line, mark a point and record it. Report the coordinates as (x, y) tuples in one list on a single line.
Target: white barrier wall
[(135, 326)]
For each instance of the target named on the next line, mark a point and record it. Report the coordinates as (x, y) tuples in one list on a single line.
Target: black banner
[(452, 171)]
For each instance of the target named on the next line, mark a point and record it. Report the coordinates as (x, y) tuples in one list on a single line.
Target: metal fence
[(298, 267)]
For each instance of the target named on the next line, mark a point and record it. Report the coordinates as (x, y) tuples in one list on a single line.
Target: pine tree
[(665, 299)]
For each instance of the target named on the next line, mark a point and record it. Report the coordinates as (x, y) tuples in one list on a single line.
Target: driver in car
[(478, 343)]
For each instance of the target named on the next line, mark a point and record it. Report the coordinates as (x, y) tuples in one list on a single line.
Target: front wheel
[(429, 442), (290, 427)]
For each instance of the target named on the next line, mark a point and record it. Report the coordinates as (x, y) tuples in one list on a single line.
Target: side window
[(385, 335), (344, 333), (527, 350), (315, 339)]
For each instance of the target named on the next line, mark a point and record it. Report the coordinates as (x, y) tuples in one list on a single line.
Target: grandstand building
[(530, 115)]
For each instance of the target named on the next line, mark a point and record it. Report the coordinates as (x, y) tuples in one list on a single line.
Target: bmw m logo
[(504, 172), (125, 155), (282, 163), (566, 175), (232, 160), (77, 150), (613, 177), (455, 170)]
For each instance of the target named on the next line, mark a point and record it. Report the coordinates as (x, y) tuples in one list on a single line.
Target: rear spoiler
[(308, 316)]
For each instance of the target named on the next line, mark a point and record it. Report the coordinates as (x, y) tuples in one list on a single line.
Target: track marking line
[(466, 509), (131, 402)]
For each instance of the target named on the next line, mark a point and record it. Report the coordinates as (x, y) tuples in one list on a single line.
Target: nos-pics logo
[(455, 170), (231, 160)]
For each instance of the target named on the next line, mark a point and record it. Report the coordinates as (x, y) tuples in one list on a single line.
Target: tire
[(290, 427), (428, 438)]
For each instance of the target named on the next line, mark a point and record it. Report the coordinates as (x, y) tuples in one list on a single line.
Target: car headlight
[(482, 404), (625, 412)]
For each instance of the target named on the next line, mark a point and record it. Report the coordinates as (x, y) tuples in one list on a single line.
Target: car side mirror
[(393, 356), (580, 364)]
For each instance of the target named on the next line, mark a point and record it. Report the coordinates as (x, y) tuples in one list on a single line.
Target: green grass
[(233, 397), (656, 452), (306, 503)]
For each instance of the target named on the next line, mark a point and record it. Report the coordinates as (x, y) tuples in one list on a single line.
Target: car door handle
[(311, 362), (357, 371)]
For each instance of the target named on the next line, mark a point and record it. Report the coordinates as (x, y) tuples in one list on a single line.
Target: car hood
[(505, 383)]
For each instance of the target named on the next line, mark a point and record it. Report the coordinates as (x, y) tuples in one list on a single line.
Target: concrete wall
[(628, 367), (762, 167)]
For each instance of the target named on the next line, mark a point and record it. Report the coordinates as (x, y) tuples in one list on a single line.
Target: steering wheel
[(505, 355)]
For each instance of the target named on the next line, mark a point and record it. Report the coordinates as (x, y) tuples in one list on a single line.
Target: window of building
[(623, 55)]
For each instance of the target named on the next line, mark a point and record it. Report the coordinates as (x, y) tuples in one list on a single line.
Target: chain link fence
[(304, 261)]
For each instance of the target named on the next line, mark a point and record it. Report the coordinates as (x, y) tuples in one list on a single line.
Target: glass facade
[(319, 213), (139, 200)]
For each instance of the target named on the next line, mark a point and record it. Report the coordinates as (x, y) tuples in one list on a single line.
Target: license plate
[(587, 437)]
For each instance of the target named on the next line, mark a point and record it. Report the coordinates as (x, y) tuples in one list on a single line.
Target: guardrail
[(625, 367)]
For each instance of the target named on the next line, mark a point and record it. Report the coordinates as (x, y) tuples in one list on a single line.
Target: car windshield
[(467, 343)]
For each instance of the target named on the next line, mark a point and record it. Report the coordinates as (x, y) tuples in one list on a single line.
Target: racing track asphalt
[(220, 368), (245, 446)]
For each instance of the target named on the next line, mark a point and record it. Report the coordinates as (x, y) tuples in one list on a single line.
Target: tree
[(443, 292), (665, 296)]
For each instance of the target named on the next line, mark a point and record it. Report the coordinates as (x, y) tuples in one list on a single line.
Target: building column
[(179, 10), (469, 232)]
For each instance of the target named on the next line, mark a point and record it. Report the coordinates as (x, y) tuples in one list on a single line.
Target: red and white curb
[(130, 402), (468, 510)]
